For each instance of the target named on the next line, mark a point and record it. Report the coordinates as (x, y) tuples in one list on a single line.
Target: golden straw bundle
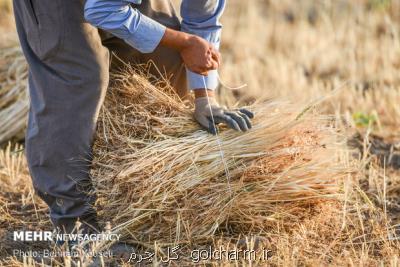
[(163, 179), (14, 103)]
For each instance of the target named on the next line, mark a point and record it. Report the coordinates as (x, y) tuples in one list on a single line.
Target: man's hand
[(198, 55), (234, 119)]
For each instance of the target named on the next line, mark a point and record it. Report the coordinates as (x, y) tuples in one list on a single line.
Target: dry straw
[(160, 178), (14, 103)]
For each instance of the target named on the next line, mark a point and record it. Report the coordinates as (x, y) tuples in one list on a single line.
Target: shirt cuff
[(212, 37), (197, 81), (147, 35)]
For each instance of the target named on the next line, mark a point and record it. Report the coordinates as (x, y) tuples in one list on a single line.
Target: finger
[(247, 119), (247, 112), (201, 71), (239, 120), (212, 128), (228, 121), (202, 120), (219, 119), (210, 64), (206, 123), (216, 56), (214, 65)]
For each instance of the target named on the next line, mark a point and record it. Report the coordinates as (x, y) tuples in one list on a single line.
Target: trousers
[(69, 62)]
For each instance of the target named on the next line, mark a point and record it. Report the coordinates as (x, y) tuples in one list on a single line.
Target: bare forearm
[(201, 92), (175, 39), (198, 55)]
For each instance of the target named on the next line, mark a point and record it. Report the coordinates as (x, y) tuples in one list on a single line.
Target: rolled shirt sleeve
[(202, 18), (125, 22)]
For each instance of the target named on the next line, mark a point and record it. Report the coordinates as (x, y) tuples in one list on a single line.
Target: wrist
[(201, 92), (176, 40), (185, 41)]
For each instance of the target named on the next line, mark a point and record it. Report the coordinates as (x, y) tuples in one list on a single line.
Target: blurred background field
[(344, 52)]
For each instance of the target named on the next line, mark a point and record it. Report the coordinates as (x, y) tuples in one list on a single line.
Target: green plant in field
[(379, 4), (5, 6), (364, 120)]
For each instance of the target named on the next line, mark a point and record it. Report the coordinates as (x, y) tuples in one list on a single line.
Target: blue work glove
[(238, 120)]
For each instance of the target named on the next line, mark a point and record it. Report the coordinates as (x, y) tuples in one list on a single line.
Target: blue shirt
[(143, 33)]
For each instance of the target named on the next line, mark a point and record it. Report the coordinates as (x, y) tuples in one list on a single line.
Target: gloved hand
[(235, 119)]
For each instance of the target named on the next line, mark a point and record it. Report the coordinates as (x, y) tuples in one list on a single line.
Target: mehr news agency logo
[(35, 236)]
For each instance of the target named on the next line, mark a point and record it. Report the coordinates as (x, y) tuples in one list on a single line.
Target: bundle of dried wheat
[(163, 179), (14, 103)]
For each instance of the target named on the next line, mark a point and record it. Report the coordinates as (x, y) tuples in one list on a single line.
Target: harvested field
[(315, 182), (162, 167)]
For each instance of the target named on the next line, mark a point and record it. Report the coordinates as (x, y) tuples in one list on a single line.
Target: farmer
[(68, 46)]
